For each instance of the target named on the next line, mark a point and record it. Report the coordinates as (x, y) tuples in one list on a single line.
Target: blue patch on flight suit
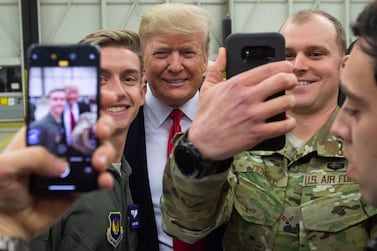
[(134, 217), (115, 232), (33, 136)]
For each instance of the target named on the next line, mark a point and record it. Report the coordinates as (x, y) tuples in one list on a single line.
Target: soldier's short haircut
[(304, 16)]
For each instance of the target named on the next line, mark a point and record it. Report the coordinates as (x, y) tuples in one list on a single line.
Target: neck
[(57, 117), (309, 124)]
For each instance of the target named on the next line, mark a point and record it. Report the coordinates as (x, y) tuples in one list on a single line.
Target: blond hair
[(175, 19)]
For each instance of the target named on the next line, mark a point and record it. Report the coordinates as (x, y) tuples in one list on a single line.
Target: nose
[(175, 63), (300, 63), (115, 85), (341, 127)]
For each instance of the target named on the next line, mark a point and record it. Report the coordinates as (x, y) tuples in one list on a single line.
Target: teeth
[(116, 109), (176, 81), (304, 82)]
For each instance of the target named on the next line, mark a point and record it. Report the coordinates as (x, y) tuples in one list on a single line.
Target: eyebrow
[(350, 95), (310, 48), (126, 71)]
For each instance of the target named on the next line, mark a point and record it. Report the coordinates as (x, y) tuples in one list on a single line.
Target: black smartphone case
[(249, 50), (79, 176)]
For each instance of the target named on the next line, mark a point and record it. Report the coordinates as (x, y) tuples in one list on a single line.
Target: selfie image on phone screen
[(62, 112)]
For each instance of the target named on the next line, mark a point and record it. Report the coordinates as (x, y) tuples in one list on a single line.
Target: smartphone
[(249, 50), (62, 109)]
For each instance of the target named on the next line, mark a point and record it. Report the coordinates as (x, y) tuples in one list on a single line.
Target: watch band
[(9, 243), (191, 163)]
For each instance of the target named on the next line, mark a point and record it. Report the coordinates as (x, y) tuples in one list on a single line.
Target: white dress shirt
[(157, 125), (67, 120)]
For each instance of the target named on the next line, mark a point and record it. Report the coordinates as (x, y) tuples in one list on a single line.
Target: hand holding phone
[(249, 50), (63, 102)]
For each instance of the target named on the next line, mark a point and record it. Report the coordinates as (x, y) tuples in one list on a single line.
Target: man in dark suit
[(175, 60), (72, 112)]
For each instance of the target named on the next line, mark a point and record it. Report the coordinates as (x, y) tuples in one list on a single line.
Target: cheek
[(153, 65), (196, 68), (329, 68), (364, 142)]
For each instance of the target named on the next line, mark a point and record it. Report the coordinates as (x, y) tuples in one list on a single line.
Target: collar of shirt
[(158, 111), (75, 110)]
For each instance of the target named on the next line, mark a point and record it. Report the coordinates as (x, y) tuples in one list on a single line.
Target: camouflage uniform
[(293, 199)]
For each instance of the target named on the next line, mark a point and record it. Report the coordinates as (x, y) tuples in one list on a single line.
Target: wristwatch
[(191, 163), (8, 243)]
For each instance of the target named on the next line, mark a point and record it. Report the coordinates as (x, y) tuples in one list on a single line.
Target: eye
[(289, 56), (161, 54), (316, 54), (351, 112), (130, 80), (103, 79), (189, 54)]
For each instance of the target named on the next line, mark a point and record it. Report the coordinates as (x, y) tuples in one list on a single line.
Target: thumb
[(215, 71), (18, 140)]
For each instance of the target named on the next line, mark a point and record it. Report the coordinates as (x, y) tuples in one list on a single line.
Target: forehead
[(358, 75), (57, 94), (71, 90), (315, 30), (119, 57), (172, 41)]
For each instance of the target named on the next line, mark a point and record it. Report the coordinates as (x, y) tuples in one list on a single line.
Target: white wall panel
[(10, 35)]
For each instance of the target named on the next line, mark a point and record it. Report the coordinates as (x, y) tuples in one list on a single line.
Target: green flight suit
[(99, 221)]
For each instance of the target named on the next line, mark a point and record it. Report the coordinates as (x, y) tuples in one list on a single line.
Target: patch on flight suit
[(336, 165), (289, 220), (33, 136), (134, 217), (115, 231)]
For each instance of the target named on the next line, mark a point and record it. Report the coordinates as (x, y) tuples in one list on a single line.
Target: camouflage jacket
[(293, 199)]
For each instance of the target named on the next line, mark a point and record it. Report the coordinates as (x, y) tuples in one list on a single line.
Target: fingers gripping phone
[(249, 50), (62, 109)]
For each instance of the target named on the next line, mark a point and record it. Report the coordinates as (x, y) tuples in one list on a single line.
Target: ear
[(143, 90), (345, 58)]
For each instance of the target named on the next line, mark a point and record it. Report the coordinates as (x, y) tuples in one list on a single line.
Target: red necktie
[(178, 245), (72, 118), (176, 115)]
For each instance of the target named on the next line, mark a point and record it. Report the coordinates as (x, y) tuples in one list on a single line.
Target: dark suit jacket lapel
[(135, 153)]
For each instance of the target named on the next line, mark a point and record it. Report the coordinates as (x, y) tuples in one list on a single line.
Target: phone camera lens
[(72, 56), (34, 56), (92, 56)]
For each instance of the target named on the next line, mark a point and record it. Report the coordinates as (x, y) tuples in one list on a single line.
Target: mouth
[(175, 81), (305, 82), (116, 109)]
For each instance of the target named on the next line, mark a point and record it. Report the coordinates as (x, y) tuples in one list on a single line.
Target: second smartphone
[(249, 50), (63, 107)]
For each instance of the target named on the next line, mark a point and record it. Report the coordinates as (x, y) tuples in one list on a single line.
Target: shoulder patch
[(115, 230)]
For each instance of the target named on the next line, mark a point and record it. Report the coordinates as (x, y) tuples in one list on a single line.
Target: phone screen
[(63, 107), (249, 50)]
